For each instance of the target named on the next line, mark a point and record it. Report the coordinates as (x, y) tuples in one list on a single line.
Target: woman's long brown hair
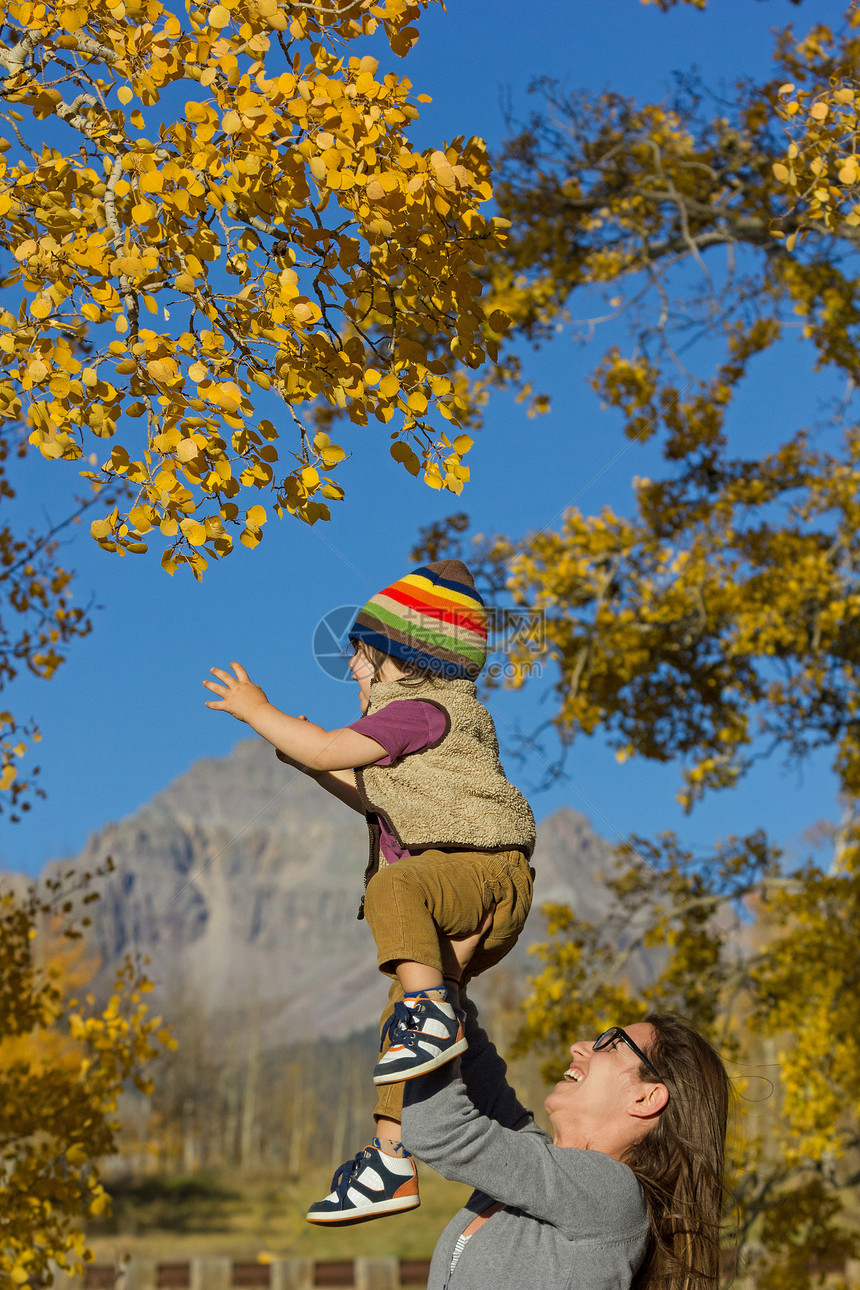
[(680, 1162)]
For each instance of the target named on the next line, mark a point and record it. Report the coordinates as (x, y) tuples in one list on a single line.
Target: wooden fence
[(213, 1273)]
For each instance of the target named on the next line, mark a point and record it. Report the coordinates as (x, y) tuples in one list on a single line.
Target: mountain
[(241, 880)]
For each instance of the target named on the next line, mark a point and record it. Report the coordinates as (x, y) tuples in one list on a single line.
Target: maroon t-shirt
[(403, 727)]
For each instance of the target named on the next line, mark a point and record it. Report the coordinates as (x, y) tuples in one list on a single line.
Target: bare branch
[(47, 538), (15, 58)]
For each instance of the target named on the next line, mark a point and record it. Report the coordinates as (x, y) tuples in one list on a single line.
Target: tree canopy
[(725, 609), (278, 219), (219, 237)]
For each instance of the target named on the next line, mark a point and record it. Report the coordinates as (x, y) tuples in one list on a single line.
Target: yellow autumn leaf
[(193, 531), (160, 370), (402, 452), (331, 454)]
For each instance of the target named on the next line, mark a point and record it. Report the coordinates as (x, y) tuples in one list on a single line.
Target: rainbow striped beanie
[(433, 618)]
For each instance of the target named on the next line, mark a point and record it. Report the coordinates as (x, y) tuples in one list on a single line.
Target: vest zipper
[(373, 860)]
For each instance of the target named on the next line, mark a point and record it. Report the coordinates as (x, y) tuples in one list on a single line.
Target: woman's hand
[(237, 694)]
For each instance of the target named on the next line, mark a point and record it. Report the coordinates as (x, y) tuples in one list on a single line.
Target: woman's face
[(601, 1103)]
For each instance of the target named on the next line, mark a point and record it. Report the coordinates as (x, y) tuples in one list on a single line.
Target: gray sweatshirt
[(572, 1220)]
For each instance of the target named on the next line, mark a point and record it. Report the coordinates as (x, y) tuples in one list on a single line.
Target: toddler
[(450, 837)]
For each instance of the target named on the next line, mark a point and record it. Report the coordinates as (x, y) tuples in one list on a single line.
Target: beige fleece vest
[(454, 793)]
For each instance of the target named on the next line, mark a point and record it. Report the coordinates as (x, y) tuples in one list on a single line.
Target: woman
[(628, 1189)]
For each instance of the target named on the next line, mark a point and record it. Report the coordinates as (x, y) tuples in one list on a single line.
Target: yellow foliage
[(63, 1063), (726, 607), (282, 222), (820, 171), (277, 245)]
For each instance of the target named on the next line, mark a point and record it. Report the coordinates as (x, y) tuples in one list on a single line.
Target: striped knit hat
[(433, 618)]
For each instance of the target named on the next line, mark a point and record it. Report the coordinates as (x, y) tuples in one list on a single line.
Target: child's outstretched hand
[(237, 694)]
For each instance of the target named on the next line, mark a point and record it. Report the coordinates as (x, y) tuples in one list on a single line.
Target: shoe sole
[(344, 1218), (432, 1064)]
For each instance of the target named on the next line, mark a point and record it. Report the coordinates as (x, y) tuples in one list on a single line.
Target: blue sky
[(125, 715)]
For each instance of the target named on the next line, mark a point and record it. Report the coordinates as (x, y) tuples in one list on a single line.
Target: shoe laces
[(398, 1025), (343, 1176), (347, 1171)]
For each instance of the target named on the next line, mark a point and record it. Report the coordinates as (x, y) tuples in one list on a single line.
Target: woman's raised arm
[(485, 1076)]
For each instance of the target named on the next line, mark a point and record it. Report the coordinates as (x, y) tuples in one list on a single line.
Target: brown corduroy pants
[(408, 904)]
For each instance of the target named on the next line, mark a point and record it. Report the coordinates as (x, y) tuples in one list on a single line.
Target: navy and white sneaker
[(425, 1034), (369, 1186)]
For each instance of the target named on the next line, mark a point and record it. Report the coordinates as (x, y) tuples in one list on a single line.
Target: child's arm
[(340, 783), (301, 740)]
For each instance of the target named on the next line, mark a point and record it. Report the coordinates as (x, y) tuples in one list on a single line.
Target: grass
[(177, 1218)]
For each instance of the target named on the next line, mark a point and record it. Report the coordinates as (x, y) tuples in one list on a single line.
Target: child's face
[(362, 673)]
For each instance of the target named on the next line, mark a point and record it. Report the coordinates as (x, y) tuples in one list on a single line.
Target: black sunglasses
[(612, 1035)]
